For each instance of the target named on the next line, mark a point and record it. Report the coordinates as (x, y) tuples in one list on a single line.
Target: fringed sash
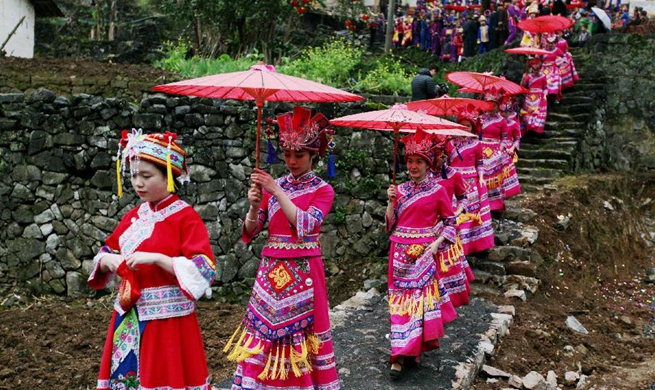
[(415, 283), (279, 320)]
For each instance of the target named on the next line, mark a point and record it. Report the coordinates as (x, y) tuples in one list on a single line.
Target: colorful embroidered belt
[(161, 302), (409, 232), (466, 170), (288, 242)]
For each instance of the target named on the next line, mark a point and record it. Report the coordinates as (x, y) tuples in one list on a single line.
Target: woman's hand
[(255, 196), (391, 193), (481, 180), (110, 262), (265, 181), (434, 246), (137, 258)]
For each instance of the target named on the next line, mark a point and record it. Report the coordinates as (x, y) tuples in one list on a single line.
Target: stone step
[(587, 86), (554, 137), (582, 108), (580, 99), (558, 117), (539, 172), (531, 188), (563, 124), (544, 163), (528, 179), (545, 154), (568, 146)]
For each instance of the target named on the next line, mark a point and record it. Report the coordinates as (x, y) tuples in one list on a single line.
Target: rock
[(534, 381), (562, 223), (582, 383), (372, 283), (520, 294), (68, 259), (74, 284), (574, 324), (360, 300), (519, 214), (200, 173), (524, 268), (571, 377), (507, 309), (515, 381), (551, 380), (32, 231), (523, 282), (625, 319), (528, 236), (509, 253), (493, 372)]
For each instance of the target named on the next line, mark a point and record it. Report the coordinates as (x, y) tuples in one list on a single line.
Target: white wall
[(21, 44)]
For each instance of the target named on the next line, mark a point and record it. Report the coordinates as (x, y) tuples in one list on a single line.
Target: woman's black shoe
[(396, 374)]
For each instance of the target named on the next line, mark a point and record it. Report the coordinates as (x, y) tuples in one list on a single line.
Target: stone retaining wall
[(58, 184)]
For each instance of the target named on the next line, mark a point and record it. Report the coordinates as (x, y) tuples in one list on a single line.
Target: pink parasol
[(447, 105), (531, 51), (545, 24), (481, 82), (398, 118), (261, 83)]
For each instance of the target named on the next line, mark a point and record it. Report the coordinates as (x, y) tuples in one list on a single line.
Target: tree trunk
[(111, 34), (391, 12)]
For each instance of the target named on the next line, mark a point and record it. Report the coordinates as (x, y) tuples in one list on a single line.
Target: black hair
[(431, 66)]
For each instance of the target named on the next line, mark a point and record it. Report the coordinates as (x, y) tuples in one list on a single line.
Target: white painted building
[(21, 43)]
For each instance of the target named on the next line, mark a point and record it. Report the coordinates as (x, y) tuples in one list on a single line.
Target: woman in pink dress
[(465, 156), (535, 106), (284, 341), (161, 251), (510, 145), (419, 306), (566, 67), (497, 163), (453, 269), (550, 67)]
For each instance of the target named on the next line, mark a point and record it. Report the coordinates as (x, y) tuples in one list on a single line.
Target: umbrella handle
[(259, 132), (395, 153)]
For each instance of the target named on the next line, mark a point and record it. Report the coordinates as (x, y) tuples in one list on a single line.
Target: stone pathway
[(360, 328)]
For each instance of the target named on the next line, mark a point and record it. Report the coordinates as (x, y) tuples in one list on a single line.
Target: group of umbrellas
[(263, 83)]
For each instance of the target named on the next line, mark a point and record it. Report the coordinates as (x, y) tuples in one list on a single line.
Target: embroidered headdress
[(507, 104), (469, 114), (420, 143), (300, 130), (534, 63), (494, 94), (552, 38), (159, 148)]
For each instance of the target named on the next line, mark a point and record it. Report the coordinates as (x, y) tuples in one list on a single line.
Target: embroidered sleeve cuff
[(391, 223), (246, 236), (449, 232), (195, 276), (98, 279), (308, 221)]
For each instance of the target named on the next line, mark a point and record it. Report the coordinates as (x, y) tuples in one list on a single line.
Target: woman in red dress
[(161, 251)]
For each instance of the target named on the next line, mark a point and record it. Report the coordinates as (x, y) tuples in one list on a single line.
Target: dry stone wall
[(58, 184)]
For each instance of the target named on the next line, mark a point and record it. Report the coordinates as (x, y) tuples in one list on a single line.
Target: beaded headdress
[(158, 148), (301, 130), (420, 143), (470, 114)]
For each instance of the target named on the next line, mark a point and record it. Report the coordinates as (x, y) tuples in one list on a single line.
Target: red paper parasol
[(261, 83), (531, 51), (399, 118), (482, 82), (545, 24), (447, 105)]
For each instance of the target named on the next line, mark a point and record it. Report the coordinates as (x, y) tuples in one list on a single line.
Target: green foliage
[(339, 215), (330, 64), (387, 77), (174, 60)]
